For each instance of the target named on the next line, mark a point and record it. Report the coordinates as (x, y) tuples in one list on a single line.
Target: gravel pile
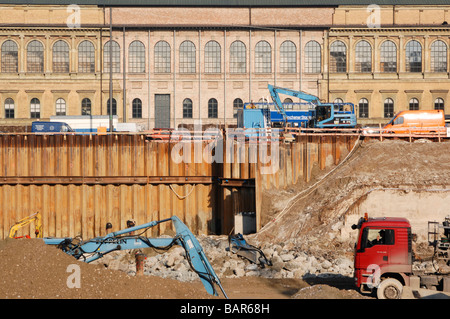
[(285, 262)]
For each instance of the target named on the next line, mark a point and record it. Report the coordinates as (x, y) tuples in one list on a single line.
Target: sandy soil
[(33, 270)]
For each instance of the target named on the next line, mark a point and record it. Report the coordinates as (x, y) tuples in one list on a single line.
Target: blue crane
[(326, 115)]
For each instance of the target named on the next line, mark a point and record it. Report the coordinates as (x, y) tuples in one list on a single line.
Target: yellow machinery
[(25, 221)]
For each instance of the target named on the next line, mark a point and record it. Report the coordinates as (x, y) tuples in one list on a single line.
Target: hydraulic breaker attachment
[(96, 248), (239, 246)]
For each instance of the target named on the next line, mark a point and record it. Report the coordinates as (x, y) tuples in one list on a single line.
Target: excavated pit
[(386, 178)]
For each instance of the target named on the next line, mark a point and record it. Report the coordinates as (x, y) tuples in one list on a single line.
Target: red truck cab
[(383, 255)]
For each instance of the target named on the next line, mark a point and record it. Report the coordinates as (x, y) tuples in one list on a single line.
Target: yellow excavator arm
[(25, 221)]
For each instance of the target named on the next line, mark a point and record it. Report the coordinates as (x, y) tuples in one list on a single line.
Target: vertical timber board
[(164, 207), (95, 200), (125, 199), (3, 216), (235, 160), (139, 205), (78, 221), (89, 156), (8, 215), (11, 158), (88, 211), (252, 158), (138, 155), (259, 187), (2, 156), (227, 159), (164, 190)]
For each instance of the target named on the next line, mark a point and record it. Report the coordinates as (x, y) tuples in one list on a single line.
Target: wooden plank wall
[(77, 184), (80, 182)]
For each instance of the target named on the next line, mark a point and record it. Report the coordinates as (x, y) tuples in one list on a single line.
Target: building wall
[(149, 26), (376, 85)]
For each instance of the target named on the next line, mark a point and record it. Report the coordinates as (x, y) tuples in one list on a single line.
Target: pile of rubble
[(285, 262)]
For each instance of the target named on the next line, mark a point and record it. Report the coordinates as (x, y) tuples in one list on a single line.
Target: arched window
[(10, 57), (388, 58), (212, 57), (288, 57), (313, 57), (413, 56), (238, 57), (35, 57), (263, 57), (60, 107), (137, 108), (86, 106), (9, 108), (439, 104), (187, 108), (187, 57), (60, 57), (35, 108), (438, 56), (113, 106), (136, 57), (413, 104), (388, 108), (212, 109), (238, 104), (86, 57), (338, 100), (363, 57), (115, 60), (363, 107), (162, 57), (338, 57)]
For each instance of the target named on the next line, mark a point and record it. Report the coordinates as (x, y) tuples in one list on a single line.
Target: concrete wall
[(418, 206)]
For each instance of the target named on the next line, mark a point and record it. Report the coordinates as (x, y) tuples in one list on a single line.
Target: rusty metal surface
[(81, 182)]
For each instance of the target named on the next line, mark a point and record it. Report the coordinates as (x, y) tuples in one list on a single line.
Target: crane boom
[(274, 93)]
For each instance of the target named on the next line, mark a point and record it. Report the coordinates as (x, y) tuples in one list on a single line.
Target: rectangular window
[(376, 236)]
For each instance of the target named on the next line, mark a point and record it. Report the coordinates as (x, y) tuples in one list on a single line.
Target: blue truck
[(311, 114), (50, 127)]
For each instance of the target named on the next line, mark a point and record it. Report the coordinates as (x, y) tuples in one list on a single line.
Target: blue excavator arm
[(274, 93), (96, 248)]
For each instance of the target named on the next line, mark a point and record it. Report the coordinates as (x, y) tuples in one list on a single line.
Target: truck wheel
[(390, 288)]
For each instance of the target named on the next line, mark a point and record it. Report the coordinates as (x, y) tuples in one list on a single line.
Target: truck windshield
[(376, 236)]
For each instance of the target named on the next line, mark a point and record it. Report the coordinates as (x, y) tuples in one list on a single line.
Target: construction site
[(294, 211)]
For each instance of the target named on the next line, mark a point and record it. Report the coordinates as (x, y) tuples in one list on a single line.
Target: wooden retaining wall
[(80, 182)]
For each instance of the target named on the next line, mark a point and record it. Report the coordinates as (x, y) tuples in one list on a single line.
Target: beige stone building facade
[(175, 66)]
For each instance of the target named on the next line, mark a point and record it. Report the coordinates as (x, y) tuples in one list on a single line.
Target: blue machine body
[(312, 114), (50, 127)]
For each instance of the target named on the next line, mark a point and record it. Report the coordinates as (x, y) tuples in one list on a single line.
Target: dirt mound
[(31, 269), (327, 292)]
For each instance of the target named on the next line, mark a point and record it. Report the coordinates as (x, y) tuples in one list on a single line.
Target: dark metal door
[(162, 110)]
